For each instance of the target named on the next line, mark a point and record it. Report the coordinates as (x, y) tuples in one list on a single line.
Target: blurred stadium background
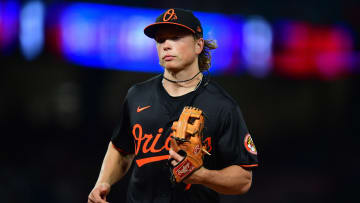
[(293, 66)]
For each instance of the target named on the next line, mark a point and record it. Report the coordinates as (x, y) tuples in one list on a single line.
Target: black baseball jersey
[(147, 116)]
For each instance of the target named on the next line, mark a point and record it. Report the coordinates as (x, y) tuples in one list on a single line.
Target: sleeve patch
[(249, 144)]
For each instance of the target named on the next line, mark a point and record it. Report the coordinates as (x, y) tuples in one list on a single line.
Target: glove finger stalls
[(186, 143)]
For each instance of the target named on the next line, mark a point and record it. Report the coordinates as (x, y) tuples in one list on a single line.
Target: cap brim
[(151, 29)]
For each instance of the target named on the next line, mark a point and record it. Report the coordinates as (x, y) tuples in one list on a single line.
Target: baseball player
[(162, 117)]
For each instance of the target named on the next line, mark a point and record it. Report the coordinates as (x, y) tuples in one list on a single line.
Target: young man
[(151, 107)]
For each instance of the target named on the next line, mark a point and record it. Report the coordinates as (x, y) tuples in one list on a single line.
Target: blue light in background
[(107, 36), (257, 48), (112, 37), (225, 31), (32, 29), (9, 12)]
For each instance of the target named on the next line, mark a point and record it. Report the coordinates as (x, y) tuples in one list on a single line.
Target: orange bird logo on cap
[(169, 15)]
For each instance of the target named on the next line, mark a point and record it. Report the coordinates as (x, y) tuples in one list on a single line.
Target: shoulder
[(217, 103), (144, 87), (220, 97)]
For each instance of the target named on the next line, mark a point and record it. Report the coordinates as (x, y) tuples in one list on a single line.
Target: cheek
[(158, 50), (188, 52)]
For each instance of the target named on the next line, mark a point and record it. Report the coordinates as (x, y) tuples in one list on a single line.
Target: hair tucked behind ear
[(205, 56)]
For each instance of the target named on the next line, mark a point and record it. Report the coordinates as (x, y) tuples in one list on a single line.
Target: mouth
[(168, 57)]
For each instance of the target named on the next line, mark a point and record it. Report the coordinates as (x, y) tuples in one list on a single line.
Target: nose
[(166, 45)]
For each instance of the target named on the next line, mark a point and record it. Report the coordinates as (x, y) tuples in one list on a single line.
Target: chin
[(172, 68)]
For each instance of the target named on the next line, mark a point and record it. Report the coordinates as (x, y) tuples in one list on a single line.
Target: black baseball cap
[(178, 17)]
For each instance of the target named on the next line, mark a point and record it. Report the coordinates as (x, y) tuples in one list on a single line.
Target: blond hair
[(204, 59)]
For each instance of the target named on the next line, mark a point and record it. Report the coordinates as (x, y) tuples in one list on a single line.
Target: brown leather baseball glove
[(187, 141)]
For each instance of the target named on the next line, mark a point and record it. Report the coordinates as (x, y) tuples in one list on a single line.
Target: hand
[(99, 193), (195, 177), (176, 157)]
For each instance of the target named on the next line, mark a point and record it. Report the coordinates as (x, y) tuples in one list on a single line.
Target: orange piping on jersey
[(251, 165), (188, 187), (120, 150), (141, 162), (207, 142)]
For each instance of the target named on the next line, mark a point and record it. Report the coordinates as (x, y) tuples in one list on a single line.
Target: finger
[(170, 152), (104, 191), (174, 145), (175, 155), (174, 163), (97, 196), (99, 201), (91, 198), (103, 197)]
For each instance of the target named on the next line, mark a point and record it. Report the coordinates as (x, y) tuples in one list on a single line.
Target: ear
[(199, 45)]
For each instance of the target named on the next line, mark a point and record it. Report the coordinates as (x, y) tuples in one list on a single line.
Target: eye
[(175, 38), (160, 40)]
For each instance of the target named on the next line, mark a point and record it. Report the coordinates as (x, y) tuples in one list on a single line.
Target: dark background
[(57, 119)]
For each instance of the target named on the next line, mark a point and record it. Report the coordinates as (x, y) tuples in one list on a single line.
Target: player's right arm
[(114, 167)]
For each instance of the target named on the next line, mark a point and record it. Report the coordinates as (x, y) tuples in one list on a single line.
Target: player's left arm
[(232, 180)]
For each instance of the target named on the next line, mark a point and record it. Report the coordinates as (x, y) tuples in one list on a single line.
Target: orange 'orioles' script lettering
[(147, 147), (148, 143)]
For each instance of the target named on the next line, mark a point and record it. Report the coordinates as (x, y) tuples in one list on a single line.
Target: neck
[(181, 81), (181, 76), (185, 81)]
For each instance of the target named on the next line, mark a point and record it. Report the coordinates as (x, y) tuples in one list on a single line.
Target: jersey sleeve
[(235, 144), (122, 139)]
